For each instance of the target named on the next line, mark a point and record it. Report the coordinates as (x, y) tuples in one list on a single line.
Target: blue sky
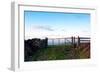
[(56, 24)]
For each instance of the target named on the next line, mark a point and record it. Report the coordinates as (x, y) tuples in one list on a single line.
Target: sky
[(56, 24)]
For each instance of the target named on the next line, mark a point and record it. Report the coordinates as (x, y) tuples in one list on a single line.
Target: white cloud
[(46, 28)]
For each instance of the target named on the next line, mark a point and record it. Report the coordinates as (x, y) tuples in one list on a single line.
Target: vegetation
[(59, 52), (53, 53), (38, 50)]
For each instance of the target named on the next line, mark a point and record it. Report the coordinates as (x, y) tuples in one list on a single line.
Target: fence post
[(46, 42), (78, 41), (74, 42), (72, 39)]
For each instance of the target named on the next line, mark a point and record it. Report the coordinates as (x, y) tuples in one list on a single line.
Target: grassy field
[(59, 52)]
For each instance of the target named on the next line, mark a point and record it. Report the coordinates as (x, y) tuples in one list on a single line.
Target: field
[(61, 52)]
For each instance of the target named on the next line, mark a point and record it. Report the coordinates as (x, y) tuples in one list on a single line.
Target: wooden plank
[(84, 40)]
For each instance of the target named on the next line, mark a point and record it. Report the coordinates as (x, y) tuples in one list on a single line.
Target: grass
[(60, 52), (56, 52)]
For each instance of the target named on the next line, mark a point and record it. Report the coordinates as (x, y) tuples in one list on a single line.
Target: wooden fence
[(75, 41)]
